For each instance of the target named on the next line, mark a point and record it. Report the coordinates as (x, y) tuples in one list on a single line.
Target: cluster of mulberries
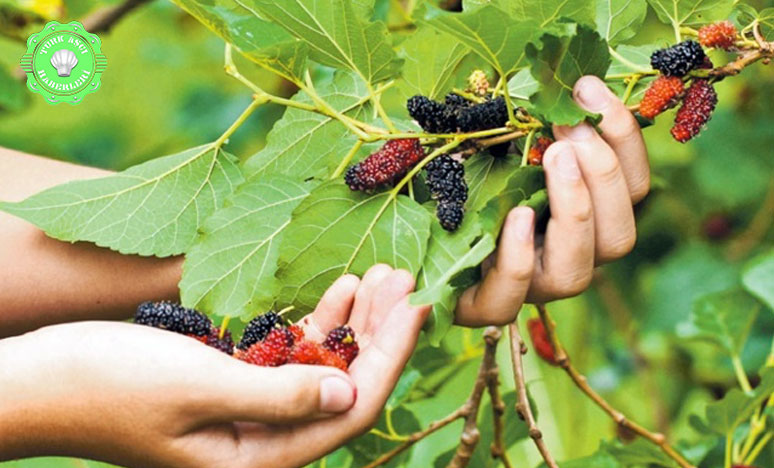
[(537, 150), (540, 340), (679, 59), (173, 317), (721, 35), (391, 161), (457, 114), (700, 99), (272, 343), (445, 179), (699, 102)]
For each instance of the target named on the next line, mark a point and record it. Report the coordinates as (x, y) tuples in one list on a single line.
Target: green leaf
[(336, 231), (261, 41), (368, 447), (724, 318), (305, 144), (154, 208), (628, 59), (546, 12), (336, 35), (619, 20), (522, 85), (691, 12), (599, 459), (747, 15), (489, 32), (402, 391), (448, 254), (230, 270), (486, 177), (558, 61), (431, 60), (758, 278), (521, 185), (640, 453), (736, 406)]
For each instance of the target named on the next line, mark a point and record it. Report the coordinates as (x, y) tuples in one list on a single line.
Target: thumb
[(280, 395)]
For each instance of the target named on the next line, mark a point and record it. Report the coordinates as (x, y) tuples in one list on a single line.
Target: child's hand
[(138, 396), (592, 180)]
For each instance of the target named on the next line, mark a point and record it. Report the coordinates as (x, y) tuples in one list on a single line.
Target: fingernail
[(567, 165), (580, 132), (592, 93), (336, 395), (523, 220)]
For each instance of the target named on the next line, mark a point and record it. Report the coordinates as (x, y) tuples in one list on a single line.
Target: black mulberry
[(257, 329), (489, 114), (432, 116), (679, 59), (173, 317), (446, 182)]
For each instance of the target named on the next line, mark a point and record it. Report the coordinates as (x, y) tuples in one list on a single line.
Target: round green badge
[(63, 62)]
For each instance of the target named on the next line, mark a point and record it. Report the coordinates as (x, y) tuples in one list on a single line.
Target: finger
[(620, 130), (614, 229), (358, 320), (333, 309), (393, 288), (273, 395), (566, 261), (375, 371), (497, 299)]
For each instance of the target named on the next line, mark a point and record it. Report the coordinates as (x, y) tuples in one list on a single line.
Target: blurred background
[(709, 215)]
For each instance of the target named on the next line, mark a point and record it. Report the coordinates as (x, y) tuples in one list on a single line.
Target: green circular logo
[(63, 62)]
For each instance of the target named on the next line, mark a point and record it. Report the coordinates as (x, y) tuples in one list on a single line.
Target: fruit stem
[(257, 101), (527, 146), (347, 159), (223, 327), (630, 87), (744, 382)]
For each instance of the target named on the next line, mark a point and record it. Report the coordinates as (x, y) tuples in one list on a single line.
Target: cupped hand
[(593, 180), (143, 397)]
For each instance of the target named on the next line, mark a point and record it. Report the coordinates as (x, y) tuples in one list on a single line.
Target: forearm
[(44, 281)]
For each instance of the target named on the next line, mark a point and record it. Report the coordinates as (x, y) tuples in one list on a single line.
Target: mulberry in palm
[(172, 316)]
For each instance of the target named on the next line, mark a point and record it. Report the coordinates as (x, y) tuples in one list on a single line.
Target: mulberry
[(478, 83), (660, 96), (171, 316), (432, 116), (456, 102), (539, 337), (678, 59), (391, 161), (721, 35), (257, 329), (331, 359), (306, 352), (341, 341), (446, 181), (273, 351), (699, 102), (537, 150), (489, 114), (225, 344)]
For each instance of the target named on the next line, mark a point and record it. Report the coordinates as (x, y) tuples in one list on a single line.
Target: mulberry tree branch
[(518, 349), (498, 448), (468, 411), (563, 360)]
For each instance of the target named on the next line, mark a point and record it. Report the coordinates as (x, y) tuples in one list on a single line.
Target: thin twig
[(756, 230), (498, 448), (518, 349), (104, 19), (581, 382), (468, 411)]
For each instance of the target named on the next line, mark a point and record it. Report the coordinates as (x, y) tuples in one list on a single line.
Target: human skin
[(143, 397)]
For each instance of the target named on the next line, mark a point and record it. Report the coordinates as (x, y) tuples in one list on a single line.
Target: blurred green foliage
[(705, 225)]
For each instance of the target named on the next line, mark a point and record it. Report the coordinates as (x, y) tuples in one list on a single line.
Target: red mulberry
[(273, 351), (341, 341), (171, 316), (306, 352), (699, 102), (537, 150), (721, 35), (660, 96), (539, 337), (446, 182), (392, 160), (257, 329), (679, 59)]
